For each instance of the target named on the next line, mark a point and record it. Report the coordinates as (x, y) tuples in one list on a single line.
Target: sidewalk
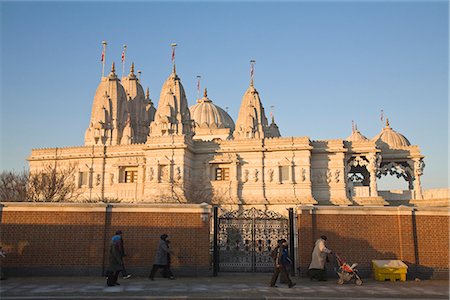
[(226, 286)]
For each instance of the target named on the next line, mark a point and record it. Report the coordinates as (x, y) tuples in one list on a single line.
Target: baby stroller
[(347, 272)]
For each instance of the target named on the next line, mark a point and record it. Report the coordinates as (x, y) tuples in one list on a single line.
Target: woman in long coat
[(161, 258)]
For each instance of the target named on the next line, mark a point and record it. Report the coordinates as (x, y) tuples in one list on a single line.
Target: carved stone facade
[(134, 153)]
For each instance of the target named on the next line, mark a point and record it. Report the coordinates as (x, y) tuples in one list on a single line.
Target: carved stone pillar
[(419, 165), (372, 168)]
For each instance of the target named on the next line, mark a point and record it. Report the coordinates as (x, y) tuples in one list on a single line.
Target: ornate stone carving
[(419, 165), (397, 169), (329, 176), (98, 179), (255, 175), (337, 174), (303, 174), (358, 161), (246, 174), (151, 174), (270, 173), (178, 174), (111, 178)]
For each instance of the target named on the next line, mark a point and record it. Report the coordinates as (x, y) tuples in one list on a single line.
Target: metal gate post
[(215, 241), (292, 240)]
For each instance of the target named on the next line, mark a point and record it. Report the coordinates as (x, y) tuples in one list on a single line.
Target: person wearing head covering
[(161, 258), (115, 260), (281, 260), (119, 234), (319, 257)]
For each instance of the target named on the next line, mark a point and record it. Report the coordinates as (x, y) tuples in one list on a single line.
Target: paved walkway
[(226, 286)]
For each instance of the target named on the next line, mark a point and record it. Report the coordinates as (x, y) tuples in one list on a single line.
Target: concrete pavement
[(225, 286)]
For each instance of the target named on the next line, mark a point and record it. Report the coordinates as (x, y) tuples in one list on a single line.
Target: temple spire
[(132, 75), (205, 93), (147, 93), (387, 123), (113, 75)]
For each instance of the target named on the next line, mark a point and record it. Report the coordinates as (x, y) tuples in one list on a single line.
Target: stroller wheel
[(340, 281), (358, 281)]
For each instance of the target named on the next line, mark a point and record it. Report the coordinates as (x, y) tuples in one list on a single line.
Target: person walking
[(281, 261), (125, 274), (115, 261), (166, 272), (161, 257), (319, 257)]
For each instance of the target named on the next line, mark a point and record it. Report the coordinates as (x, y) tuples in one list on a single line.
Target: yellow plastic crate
[(389, 270)]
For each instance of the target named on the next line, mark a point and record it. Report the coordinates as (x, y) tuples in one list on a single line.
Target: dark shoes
[(291, 284), (151, 278), (273, 285)]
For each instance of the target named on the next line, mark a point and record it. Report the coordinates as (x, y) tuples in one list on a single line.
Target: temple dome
[(356, 136), (208, 115), (390, 138)]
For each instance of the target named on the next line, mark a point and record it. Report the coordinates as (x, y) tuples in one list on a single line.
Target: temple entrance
[(246, 238)]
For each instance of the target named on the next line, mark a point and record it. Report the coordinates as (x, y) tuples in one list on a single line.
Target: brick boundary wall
[(417, 236), (73, 239)]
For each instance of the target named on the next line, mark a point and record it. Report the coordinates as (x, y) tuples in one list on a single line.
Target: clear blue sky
[(321, 64)]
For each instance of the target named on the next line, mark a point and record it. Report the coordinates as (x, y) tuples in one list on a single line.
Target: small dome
[(208, 115), (390, 138), (356, 136)]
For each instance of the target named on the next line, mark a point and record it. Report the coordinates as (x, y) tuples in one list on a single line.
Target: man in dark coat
[(115, 261), (281, 260), (161, 257)]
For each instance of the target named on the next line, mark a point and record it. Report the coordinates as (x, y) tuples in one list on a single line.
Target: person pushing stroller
[(319, 257)]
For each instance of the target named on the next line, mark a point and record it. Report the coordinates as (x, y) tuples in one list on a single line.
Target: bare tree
[(53, 184), (13, 186)]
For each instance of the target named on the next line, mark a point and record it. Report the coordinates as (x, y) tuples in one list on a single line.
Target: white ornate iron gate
[(245, 239)]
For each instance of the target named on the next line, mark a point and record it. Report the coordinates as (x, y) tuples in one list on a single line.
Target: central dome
[(208, 115)]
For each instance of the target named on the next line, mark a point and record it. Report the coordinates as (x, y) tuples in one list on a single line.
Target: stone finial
[(147, 93), (205, 93), (132, 69), (387, 123), (113, 75)]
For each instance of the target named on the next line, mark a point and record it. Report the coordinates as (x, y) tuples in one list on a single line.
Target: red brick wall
[(52, 239), (77, 242), (421, 241), (67, 242)]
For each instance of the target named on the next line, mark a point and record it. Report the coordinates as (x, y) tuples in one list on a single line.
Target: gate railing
[(244, 240)]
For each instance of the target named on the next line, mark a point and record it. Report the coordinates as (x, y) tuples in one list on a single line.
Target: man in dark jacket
[(161, 257), (281, 260)]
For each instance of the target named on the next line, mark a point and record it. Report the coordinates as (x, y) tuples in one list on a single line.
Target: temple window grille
[(129, 175), (222, 174)]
